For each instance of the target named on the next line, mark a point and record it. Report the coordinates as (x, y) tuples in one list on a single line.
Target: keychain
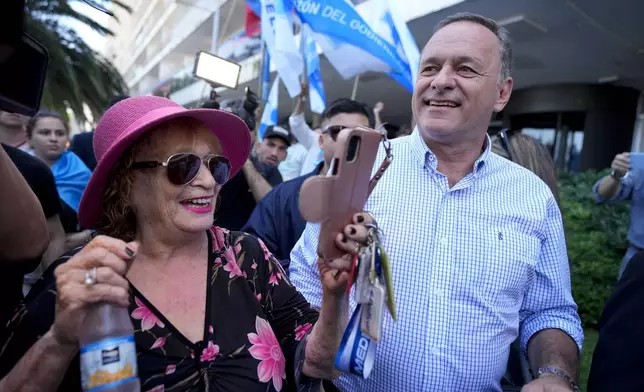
[(371, 273)]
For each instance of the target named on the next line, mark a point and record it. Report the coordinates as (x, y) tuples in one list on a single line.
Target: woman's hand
[(110, 258), (335, 274)]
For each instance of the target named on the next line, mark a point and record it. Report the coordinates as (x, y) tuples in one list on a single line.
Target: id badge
[(373, 312)]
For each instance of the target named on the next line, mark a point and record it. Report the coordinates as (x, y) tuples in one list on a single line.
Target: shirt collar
[(427, 158)]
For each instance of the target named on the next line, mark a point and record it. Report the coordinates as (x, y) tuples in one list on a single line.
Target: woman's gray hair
[(501, 33)]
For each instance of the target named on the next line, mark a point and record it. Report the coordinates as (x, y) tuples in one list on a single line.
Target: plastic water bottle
[(108, 353)]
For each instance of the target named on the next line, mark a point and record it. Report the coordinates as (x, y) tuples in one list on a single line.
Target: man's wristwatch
[(615, 176), (561, 374)]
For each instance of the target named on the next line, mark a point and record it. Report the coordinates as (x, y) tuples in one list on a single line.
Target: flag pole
[(355, 87)]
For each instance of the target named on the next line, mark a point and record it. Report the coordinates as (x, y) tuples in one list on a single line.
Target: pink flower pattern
[(267, 253), (270, 286), (160, 342), (267, 350), (232, 268), (170, 369), (210, 352), (148, 319), (302, 330)]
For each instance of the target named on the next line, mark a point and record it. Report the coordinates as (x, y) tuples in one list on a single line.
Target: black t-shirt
[(41, 182), (236, 199), (39, 178)]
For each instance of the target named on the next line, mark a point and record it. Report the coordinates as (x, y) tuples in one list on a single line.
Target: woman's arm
[(23, 232), (42, 368)]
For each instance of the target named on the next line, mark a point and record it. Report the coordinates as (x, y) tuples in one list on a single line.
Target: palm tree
[(76, 73)]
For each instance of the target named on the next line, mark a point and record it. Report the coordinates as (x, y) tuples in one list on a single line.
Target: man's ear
[(505, 90), (321, 141)]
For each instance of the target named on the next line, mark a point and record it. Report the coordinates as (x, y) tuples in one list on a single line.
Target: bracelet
[(561, 374)]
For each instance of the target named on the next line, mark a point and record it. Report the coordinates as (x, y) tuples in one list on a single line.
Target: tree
[(76, 73)]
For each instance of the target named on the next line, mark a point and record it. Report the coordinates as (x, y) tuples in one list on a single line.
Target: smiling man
[(476, 242)]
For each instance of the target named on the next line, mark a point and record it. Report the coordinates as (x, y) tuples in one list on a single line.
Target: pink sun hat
[(129, 119)]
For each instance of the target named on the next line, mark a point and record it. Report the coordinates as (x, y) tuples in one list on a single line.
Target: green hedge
[(596, 239)]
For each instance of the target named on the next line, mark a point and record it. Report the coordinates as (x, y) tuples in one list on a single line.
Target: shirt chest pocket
[(508, 263)]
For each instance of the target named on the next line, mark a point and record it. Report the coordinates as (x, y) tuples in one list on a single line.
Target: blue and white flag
[(350, 43), (269, 117), (277, 32), (390, 25), (316, 86)]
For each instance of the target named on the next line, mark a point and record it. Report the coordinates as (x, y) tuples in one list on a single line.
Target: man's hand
[(378, 108), (305, 89), (548, 383), (621, 164)]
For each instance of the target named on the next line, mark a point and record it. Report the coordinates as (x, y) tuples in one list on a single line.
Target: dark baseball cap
[(276, 131)]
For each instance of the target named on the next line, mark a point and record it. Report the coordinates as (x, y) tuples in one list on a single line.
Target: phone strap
[(385, 163)]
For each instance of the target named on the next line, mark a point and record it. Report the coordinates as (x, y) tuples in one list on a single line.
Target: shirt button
[(444, 241)]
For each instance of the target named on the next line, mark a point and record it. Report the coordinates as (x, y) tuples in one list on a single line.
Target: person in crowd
[(212, 309), (377, 114), (476, 242), (13, 131), (624, 183), (25, 233), (529, 153), (48, 136), (277, 220), (617, 364), (259, 175), (291, 167), (82, 143), (306, 136)]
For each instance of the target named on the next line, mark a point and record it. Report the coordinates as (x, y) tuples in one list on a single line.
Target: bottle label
[(108, 363)]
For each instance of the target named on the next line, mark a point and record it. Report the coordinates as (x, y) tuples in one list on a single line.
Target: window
[(562, 133)]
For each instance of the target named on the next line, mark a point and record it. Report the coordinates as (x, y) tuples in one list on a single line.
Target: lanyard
[(385, 163)]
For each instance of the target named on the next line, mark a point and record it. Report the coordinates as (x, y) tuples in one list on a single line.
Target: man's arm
[(610, 188), (554, 348), (56, 241), (551, 331), (303, 270), (257, 183), (28, 375), (23, 232), (299, 128)]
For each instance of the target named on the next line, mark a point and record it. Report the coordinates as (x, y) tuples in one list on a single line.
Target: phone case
[(333, 200)]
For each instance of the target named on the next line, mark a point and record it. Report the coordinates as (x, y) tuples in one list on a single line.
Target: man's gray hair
[(501, 33)]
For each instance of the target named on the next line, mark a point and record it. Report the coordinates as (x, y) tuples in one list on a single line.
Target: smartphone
[(637, 160), (23, 69), (217, 70), (332, 199)]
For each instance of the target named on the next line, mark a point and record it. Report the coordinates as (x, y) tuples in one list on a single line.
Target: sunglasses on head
[(182, 168), (334, 131)]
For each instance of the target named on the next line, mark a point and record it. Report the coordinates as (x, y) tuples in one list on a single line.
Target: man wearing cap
[(260, 174)]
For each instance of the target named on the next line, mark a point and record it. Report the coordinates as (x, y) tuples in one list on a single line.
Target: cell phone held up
[(332, 199)]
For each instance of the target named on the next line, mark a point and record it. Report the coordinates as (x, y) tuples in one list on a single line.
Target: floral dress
[(254, 337)]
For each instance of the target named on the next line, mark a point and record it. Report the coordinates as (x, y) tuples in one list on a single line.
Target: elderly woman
[(212, 310)]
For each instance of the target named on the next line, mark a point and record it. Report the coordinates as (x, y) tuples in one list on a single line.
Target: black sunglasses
[(505, 142), (182, 168), (334, 131)]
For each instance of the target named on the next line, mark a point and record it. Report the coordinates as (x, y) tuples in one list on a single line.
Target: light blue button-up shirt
[(631, 188), (473, 267)]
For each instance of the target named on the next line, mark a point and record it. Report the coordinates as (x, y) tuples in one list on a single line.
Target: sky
[(92, 38)]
